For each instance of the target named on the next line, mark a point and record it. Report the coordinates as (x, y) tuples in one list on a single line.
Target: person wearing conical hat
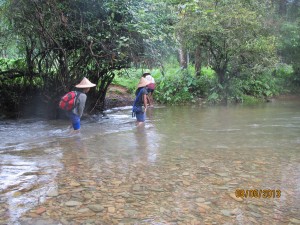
[(140, 103), (82, 88), (150, 87)]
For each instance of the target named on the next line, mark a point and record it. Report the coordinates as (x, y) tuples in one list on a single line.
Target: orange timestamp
[(255, 193)]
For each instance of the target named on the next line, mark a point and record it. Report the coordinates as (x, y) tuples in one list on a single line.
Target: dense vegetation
[(223, 51)]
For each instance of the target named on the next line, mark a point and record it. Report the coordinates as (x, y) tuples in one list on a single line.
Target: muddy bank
[(118, 96)]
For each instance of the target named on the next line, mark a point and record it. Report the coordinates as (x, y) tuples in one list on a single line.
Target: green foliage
[(231, 34), (6, 63), (175, 86), (289, 49), (288, 80), (179, 86), (128, 78), (266, 85), (173, 89), (63, 41), (250, 100), (214, 98)]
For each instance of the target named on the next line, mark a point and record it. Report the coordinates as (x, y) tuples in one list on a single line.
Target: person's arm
[(145, 100), (81, 105)]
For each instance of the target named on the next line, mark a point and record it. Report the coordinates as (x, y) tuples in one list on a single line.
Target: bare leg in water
[(150, 97)]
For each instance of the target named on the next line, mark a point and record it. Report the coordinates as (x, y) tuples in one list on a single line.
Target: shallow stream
[(183, 167)]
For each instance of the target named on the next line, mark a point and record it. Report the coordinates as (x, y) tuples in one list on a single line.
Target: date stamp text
[(257, 193)]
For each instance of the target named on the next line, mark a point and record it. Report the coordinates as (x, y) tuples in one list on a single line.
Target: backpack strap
[(77, 93)]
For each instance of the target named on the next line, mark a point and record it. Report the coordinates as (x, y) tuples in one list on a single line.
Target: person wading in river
[(75, 114), (140, 104), (150, 87)]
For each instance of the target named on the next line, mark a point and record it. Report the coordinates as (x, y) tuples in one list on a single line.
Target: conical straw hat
[(146, 72), (85, 83), (143, 82)]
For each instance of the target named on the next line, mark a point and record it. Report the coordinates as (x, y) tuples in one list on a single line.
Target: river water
[(184, 167)]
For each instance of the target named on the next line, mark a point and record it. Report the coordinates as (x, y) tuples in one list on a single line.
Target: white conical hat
[(85, 83), (146, 72), (143, 82)]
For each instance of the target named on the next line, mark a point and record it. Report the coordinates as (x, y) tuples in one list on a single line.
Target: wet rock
[(53, 192), (73, 203), (17, 194), (120, 200), (130, 200), (156, 189), (116, 182), (208, 161), (141, 193), (40, 210), (255, 214), (162, 209), (77, 190), (257, 180), (204, 206), (131, 213), (295, 221), (253, 220), (218, 181), (74, 184), (253, 208), (226, 212), (202, 210), (223, 174), (87, 196), (223, 188), (84, 210), (86, 214), (96, 208), (186, 183), (111, 209), (200, 200), (137, 187)]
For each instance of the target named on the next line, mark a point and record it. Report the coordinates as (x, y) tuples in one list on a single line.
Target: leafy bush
[(19, 64), (213, 98), (288, 78), (263, 86), (249, 100), (179, 86)]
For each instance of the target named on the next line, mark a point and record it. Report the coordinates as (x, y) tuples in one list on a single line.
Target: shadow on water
[(183, 167)]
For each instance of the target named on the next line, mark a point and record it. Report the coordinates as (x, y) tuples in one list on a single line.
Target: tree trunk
[(221, 76), (198, 61), (97, 98), (182, 58)]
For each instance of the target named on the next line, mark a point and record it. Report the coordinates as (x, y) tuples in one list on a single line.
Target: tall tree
[(232, 32), (66, 40), (289, 36)]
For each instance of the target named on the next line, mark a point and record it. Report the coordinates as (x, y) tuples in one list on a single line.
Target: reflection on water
[(183, 167)]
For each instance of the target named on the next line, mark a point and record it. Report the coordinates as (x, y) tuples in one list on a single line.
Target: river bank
[(118, 96)]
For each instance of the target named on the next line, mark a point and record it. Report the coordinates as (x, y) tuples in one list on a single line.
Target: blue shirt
[(140, 101)]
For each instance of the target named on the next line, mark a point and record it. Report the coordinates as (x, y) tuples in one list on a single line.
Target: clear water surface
[(183, 167)]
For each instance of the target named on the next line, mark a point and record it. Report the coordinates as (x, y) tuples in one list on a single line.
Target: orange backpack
[(68, 101)]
